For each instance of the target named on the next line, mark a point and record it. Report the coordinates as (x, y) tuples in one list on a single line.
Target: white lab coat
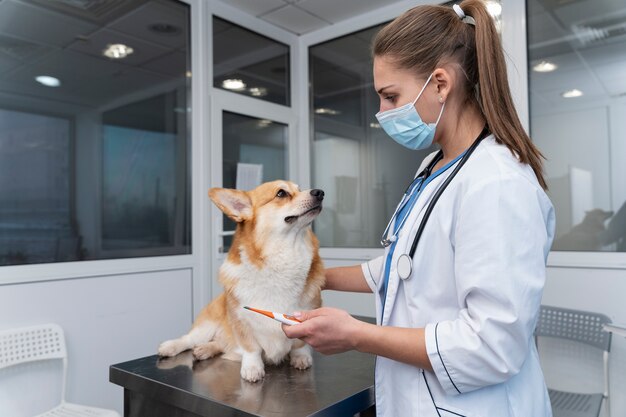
[(476, 287)]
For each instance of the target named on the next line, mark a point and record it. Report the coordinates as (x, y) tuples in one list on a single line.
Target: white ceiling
[(597, 67), (65, 39), (587, 40), (592, 59)]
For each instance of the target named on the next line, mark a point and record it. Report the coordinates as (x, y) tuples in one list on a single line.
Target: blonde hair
[(425, 37)]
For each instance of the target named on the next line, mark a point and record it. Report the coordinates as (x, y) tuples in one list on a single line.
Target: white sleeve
[(501, 240), (372, 271)]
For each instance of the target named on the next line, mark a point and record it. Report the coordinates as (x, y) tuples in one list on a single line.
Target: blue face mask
[(406, 127)]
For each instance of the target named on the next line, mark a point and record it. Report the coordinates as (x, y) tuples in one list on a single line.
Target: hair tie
[(466, 19), (459, 11)]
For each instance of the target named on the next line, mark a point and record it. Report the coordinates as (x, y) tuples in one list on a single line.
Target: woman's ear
[(442, 80), (234, 203)]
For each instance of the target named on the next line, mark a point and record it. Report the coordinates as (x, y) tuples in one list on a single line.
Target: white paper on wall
[(581, 193), (249, 176)]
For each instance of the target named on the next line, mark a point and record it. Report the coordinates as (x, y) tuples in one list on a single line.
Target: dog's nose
[(319, 194)]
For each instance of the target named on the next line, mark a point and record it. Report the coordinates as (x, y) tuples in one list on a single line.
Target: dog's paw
[(206, 351), (169, 348), (252, 373), (301, 361)]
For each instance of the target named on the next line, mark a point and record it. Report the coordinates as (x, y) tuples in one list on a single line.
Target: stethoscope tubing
[(442, 188), (405, 261)]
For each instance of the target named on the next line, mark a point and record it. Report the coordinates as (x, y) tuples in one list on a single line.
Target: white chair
[(39, 343)]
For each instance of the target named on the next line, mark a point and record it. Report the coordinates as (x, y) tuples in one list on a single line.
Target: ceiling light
[(375, 125), (234, 84), (325, 110), (188, 74), (264, 123), (258, 91), (48, 81), (544, 66), (117, 51), (494, 8), (572, 93)]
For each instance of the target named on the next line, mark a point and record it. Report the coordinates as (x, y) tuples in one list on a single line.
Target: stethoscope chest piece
[(405, 266)]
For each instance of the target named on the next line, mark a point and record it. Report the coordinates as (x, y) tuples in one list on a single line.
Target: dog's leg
[(199, 334), (252, 368), (207, 350), (300, 355)]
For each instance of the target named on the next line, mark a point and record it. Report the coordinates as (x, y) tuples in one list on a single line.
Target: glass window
[(247, 63), (254, 151), (577, 77), (362, 171), (35, 210), (94, 130)]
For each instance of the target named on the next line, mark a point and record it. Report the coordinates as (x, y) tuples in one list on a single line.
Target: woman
[(455, 324)]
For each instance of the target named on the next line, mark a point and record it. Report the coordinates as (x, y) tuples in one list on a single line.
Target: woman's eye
[(390, 98), (281, 193)]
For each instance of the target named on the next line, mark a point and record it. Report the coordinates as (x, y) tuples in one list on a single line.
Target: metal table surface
[(336, 385)]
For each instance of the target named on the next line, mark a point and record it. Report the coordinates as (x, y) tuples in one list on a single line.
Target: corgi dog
[(273, 264)]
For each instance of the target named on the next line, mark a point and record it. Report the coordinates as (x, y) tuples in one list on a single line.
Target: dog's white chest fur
[(276, 286)]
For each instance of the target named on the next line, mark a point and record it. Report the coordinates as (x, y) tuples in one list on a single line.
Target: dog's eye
[(281, 193)]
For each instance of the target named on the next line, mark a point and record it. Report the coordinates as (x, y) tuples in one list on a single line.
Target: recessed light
[(375, 125), (234, 84), (572, 93), (545, 66), (188, 74), (325, 110), (494, 8), (117, 51), (48, 81), (258, 91), (264, 123)]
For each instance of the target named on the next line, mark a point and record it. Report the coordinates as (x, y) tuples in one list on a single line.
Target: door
[(256, 146)]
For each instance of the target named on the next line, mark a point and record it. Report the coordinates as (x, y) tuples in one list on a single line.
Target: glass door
[(254, 148)]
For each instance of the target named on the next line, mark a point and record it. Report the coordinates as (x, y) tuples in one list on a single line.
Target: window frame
[(201, 12), (556, 259), (200, 43), (514, 39)]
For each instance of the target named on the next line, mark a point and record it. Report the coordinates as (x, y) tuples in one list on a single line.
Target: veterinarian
[(456, 315)]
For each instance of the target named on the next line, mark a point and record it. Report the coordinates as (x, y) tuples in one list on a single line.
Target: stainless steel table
[(336, 385)]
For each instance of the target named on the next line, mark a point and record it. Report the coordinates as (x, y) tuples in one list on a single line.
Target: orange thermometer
[(283, 318)]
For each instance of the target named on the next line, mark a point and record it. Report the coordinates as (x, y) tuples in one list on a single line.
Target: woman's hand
[(327, 330)]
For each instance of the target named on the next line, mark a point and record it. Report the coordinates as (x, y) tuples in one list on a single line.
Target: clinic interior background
[(116, 117)]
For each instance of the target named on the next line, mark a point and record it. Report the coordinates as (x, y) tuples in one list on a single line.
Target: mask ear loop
[(440, 113), (423, 88)]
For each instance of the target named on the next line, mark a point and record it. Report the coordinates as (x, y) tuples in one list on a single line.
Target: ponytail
[(425, 36), (494, 93)]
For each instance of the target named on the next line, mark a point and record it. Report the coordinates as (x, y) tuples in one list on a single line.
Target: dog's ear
[(234, 203)]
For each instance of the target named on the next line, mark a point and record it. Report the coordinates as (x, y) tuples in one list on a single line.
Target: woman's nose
[(317, 193)]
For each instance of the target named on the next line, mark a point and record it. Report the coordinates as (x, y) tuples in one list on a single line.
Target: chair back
[(577, 325), (28, 344)]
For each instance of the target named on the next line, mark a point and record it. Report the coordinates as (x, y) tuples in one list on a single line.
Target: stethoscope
[(405, 261)]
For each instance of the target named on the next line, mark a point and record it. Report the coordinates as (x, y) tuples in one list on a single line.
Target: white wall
[(568, 144), (338, 157), (106, 319)]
